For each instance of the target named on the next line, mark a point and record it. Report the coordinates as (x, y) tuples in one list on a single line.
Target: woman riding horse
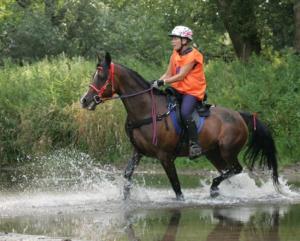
[(152, 132), (186, 75)]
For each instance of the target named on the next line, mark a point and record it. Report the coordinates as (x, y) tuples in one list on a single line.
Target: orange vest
[(194, 82)]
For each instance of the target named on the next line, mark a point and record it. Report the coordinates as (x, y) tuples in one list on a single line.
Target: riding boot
[(194, 147)]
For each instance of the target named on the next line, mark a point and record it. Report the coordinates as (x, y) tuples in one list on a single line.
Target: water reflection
[(226, 224), (263, 226), (235, 223), (227, 228), (171, 230), (267, 229)]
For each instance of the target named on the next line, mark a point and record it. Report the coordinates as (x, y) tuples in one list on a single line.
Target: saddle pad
[(200, 121)]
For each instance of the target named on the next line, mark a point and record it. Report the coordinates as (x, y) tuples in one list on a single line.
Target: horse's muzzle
[(84, 102), (97, 99), (92, 106)]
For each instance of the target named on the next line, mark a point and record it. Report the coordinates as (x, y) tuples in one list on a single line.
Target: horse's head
[(102, 85)]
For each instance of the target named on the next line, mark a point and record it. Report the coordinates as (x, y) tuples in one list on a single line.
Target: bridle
[(111, 81)]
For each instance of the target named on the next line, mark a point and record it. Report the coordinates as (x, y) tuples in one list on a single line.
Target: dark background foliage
[(48, 49)]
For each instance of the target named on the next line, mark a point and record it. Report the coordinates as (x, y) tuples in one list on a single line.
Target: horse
[(152, 133)]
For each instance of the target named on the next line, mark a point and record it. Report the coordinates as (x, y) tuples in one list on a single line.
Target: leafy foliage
[(39, 102), (42, 112), (268, 87), (31, 30)]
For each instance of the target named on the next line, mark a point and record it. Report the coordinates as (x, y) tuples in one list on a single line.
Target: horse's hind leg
[(170, 169), (132, 164), (226, 169), (233, 170)]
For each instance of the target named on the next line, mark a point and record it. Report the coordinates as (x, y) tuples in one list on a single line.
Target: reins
[(128, 95)]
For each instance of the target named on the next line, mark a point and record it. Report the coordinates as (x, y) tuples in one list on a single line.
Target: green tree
[(239, 20), (33, 29), (253, 25)]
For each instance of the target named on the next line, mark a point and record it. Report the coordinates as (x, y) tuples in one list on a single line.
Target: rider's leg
[(188, 105)]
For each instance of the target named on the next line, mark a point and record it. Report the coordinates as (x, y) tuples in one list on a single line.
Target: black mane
[(141, 81), (137, 77)]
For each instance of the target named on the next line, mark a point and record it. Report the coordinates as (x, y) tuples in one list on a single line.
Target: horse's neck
[(141, 105)]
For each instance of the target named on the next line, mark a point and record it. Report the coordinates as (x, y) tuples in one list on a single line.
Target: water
[(65, 195)]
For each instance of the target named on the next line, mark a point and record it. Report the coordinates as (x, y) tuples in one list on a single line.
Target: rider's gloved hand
[(158, 83)]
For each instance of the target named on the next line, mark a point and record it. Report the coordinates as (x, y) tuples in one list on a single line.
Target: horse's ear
[(107, 58)]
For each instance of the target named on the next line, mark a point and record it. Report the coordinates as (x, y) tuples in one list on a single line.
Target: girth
[(131, 125)]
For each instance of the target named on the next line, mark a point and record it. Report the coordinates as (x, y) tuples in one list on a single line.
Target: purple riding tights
[(187, 106)]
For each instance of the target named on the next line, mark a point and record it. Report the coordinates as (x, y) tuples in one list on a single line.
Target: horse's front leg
[(131, 165), (170, 169)]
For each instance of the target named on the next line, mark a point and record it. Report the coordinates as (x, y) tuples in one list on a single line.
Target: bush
[(268, 87), (40, 110), (35, 102)]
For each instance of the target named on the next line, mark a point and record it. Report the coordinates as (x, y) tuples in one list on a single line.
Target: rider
[(185, 74)]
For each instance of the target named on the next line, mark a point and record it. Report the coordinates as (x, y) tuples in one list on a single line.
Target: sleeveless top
[(194, 83)]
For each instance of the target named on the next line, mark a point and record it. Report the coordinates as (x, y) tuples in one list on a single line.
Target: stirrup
[(195, 151)]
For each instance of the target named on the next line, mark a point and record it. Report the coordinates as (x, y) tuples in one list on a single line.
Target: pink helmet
[(183, 32)]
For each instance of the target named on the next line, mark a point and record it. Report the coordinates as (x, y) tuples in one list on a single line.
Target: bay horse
[(152, 133)]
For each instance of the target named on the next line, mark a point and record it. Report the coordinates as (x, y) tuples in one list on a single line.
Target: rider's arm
[(168, 73), (184, 70)]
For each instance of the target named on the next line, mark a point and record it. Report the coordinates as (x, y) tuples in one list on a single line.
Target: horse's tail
[(261, 145)]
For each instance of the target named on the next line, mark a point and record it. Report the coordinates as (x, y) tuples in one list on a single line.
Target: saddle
[(200, 113), (174, 99)]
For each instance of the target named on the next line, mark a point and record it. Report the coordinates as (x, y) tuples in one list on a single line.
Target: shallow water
[(72, 198), (270, 223)]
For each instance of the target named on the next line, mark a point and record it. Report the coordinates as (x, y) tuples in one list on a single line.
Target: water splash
[(69, 180), (64, 171), (239, 190)]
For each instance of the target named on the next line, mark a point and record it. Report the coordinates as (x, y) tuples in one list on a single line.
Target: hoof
[(214, 192), (180, 197)]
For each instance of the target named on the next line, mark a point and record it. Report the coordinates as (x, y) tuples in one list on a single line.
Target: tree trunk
[(239, 20), (297, 26)]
